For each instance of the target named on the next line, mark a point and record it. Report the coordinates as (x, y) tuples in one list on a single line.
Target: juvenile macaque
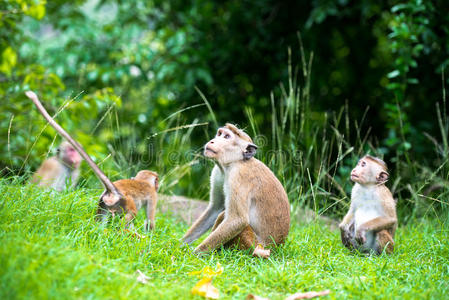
[(124, 196), (59, 171), (371, 222), (247, 202)]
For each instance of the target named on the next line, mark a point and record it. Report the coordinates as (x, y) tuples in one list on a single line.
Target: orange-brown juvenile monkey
[(59, 171), (124, 196), (371, 222), (252, 202)]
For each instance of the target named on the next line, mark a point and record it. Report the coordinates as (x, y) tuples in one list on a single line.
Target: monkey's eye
[(219, 133), (227, 136), (363, 163)]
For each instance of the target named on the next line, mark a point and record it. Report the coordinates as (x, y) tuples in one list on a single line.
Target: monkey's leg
[(218, 221), (384, 241), (222, 234), (151, 210), (203, 224), (245, 240), (131, 212)]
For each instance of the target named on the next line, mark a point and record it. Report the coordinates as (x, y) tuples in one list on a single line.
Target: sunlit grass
[(51, 247)]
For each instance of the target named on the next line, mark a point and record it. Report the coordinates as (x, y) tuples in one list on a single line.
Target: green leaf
[(393, 74), (9, 60)]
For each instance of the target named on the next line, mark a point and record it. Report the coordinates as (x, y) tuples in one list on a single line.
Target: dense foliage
[(140, 79)]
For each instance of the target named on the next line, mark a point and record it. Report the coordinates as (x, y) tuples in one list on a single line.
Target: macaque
[(371, 222), (124, 196), (247, 202), (60, 171)]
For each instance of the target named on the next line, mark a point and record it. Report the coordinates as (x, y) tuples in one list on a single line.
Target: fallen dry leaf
[(134, 234), (208, 272), (142, 278), (307, 295), (259, 251), (255, 297), (205, 288)]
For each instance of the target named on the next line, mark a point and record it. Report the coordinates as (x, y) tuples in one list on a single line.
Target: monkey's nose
[(211, 142)]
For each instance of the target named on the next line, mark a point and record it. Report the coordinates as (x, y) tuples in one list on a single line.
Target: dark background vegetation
[(142, 77)]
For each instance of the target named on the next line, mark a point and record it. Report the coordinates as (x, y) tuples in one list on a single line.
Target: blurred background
[(144, 84)]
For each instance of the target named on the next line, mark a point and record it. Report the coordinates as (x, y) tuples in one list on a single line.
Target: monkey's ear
[(250, 151), (382, 177)]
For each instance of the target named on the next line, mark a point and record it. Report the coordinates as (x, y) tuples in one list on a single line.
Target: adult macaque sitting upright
[(59, 171), (371, 221), (247, 201)]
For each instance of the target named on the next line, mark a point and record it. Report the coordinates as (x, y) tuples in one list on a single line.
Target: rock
[(188, 210)]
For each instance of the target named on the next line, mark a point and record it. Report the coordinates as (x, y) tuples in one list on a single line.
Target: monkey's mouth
[(209, 149), (353, 176)]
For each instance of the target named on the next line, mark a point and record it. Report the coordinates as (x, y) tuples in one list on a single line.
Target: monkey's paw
[(360, 236), (200, 251), (259, 251)]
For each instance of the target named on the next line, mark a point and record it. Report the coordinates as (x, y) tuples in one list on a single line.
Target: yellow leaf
[(36, 11), (208, 272), (8, 60), (205, 289)]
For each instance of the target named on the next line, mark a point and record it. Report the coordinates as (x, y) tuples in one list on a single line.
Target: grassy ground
[(51, 247)]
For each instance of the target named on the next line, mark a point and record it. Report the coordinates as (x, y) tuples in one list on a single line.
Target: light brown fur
[(245, 240), (371, 221), (247, 191), (138, 192), (60, 171)]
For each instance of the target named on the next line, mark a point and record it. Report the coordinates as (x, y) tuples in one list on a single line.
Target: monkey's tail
[(109, 186)]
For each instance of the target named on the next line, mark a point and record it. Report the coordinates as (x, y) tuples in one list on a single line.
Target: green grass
[(51, 247)]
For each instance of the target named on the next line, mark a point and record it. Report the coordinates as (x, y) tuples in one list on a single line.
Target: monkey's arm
[(236, 219), (227, 230), (347, 219), (347, 229), (378, 224), (375, 225), (216, 206), (202, 224), (74, 177)]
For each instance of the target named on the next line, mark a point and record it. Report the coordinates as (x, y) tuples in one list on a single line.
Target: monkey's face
[(149, 176), (227, 147), (368, 172), (69, 155)]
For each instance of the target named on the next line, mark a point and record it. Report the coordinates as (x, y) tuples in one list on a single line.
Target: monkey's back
[(138, 191), (269, 208)]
